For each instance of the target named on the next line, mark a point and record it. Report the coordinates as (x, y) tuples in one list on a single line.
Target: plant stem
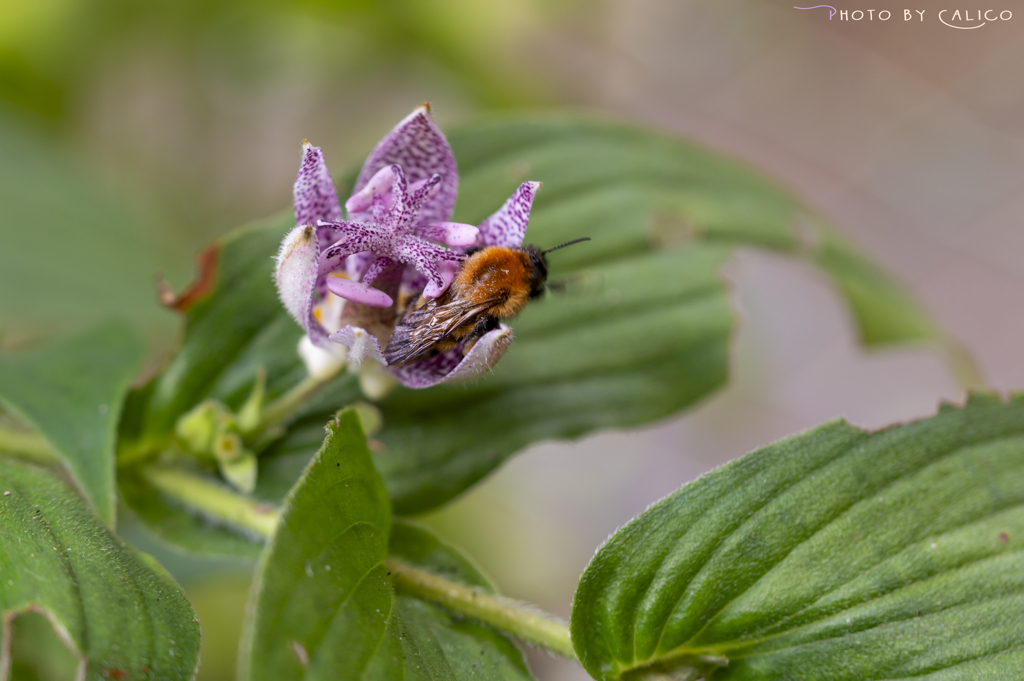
[(230, 508), (278, 411), (213, 500), (522, 621), (27, 445)]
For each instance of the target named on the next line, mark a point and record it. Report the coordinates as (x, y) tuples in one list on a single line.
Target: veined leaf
[(71, 391), (123, 614), (323, 606), (641, 331), (835, 554), (321, 597)]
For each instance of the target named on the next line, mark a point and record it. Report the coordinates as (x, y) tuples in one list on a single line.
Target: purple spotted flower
[(344, 280)]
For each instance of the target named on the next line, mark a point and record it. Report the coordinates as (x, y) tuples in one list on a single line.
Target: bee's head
[(538, 270), (539, 265)]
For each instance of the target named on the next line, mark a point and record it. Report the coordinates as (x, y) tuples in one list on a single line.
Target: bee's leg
[(485, 324)]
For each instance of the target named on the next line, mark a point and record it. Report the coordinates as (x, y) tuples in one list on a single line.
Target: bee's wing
[(421, 329)]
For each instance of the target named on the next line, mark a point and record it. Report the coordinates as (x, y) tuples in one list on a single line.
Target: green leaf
[(71, 391), (884, 313), (323, 606), (125, 616), (321, 597), (641, 331), (644, 327), (423, 641), (835, 553)]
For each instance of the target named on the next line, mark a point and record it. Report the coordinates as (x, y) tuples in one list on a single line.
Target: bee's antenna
[(567, 243)]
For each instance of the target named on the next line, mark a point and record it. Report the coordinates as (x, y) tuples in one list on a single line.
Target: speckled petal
[(450, 233), (425, 257), (314, 193), (355, 238), (507, 227), (361, 345), (296, 274), (448, 270), (450, 366), (419, 147)]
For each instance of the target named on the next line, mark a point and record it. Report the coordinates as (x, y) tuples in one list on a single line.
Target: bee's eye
[(540, 266)]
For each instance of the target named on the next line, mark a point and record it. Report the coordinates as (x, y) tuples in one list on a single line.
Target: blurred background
[(131, 133)]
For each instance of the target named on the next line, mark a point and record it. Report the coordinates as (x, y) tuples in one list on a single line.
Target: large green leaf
[(641, 331), (423, 641), (323, 606), (835, 554), (125, 616), (644, 326), (72, 391), (321, 598)]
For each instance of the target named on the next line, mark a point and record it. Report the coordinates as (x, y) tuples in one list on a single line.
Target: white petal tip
[(483, 356), (322, 362), (375, 381)]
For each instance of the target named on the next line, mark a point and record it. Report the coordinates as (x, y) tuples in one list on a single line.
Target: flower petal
[(321, 362), (507, 227), (375, 381), (412, 283), (375, 268), (451, 366), (361, 345), (421, 149), (451, 233), (296, 274), (380, 183), (448, 270), (358, 292), (349, 238), (314, 193), (425, 257)]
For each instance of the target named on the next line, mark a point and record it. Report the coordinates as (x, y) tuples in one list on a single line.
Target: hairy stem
[(281, 409), (27, 445), (213, 500), (231, 508), (522, 621)]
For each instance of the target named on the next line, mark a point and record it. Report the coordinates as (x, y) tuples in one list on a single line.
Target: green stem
[(213, 500), (281, 409), (230, 508), (522, 621), (27, 445)]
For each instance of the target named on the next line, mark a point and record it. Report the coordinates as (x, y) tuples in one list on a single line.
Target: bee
[(495, 283)]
